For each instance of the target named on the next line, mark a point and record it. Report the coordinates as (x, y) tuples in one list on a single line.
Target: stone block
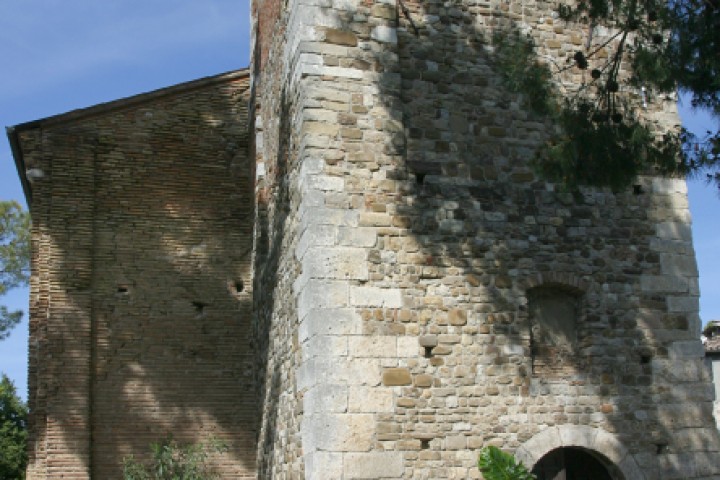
[(373, 465), (396, 376), (376, 346), (375, 297), (384, 34), (319, 294), (338, 432), (340, 37), (364, 399), (407, 346), (457, 317), (456, 442), (325, 398), (428, 341), (329, 321), (423, 380), (336, 263), (321, 465)]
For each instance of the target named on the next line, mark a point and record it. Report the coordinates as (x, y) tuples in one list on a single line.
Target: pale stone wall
[(413, 232)]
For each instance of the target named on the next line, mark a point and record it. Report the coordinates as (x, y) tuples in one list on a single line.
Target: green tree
[(13, 432), (14, 258), (649, 49)]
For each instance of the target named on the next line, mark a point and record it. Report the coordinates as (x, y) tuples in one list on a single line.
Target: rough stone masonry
[(341, 263)]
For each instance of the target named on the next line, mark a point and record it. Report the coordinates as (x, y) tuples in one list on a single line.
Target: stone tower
[(420, 293), (398, 291)]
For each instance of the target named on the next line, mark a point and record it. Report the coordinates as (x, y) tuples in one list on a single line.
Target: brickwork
[(141, 290), (422, 234)]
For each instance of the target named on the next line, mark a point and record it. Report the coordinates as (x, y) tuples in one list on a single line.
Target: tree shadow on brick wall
[(163, 271)]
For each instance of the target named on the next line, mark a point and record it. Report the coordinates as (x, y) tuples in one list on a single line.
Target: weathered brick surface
[(141, 289)]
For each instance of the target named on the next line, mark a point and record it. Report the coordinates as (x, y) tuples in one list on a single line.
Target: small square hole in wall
[(123, 289), (236, 287), (645, 359), (638, 190), (428, 352), (199, 307)]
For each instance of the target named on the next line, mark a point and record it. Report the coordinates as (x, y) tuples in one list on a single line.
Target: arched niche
[(554, 312)]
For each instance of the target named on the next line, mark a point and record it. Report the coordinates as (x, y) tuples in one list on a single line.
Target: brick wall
[(141, 289)]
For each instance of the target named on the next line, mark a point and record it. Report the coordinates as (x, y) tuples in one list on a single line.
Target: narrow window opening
[(425, 443), (420, 178), (645, 359), (428, 352), (638, 190), (239, 286)]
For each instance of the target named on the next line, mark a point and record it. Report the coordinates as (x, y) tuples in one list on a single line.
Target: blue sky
[(59, 55)]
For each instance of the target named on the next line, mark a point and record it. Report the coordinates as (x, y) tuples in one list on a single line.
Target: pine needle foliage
[(14, 258)]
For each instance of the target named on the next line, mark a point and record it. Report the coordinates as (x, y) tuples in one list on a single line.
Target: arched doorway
[(571, 463)]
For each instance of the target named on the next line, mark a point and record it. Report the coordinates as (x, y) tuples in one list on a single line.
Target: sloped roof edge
[(102, 108)]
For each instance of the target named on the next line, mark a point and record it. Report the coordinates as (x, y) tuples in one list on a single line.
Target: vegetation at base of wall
[(13, 432), (495, 464), (14, 258), (650, 49), (171, 460)]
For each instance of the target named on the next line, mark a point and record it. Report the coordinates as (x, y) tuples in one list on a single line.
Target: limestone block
[(337, 321), (363, 296), (396, 376), (373, 465), (407, 346), (332, 370), (373, 346), (357, 237), (324, 346), (326, 398), (428, 341), (336, 263), (322, 465), (674, 231), (456, 442), (341, 72), (318, 294), (315, 236), (326, 183), (327, 216), (338, 432), (682, 304), (686, 349), (384, 34), (364, 399), (678, 264), (663, 284)]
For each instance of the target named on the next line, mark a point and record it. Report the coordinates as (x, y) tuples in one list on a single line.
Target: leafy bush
[(495, 464), (173, 461)]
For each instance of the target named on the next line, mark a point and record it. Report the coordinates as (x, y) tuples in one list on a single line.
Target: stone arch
[(603, 444)]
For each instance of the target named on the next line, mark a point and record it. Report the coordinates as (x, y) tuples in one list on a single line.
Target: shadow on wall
[(435, 155), (144, 235)]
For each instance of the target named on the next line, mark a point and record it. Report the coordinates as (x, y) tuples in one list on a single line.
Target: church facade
[(341, 263)]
